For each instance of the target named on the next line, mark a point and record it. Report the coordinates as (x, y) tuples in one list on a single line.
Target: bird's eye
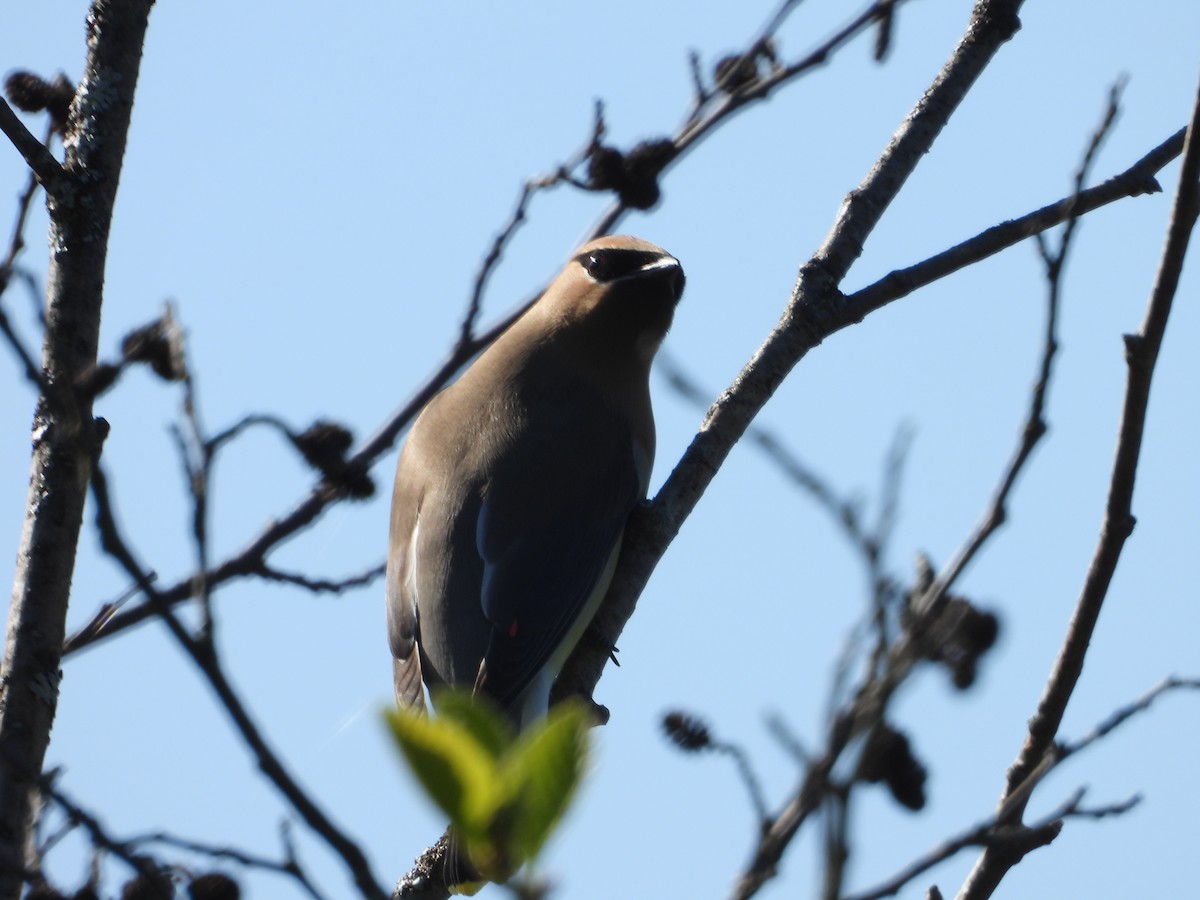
[(610, 264), (599, 264)]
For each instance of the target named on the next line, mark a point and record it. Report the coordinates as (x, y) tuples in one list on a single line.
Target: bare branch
[(843, 511), (99, 836), (290, 866), (106, 612), (814, 311), (1104, 812), (1141, 354), (506, 233), (691, 734), (712, 110), (282, 529), (1138, 179), (24, 202), (835, 816), (322, 585), (223, 437), (990, 833), (1122, 715), (65, 438), (1034, 428), (37, 155), (203, 654), (252, 557)]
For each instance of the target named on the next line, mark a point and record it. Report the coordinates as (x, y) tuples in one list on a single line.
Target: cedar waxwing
[(515, 483)]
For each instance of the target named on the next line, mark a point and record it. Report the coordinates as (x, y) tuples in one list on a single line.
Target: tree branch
[(934, 598), (1125, 713), (700, 124), (290, 866), (100, 837), (814, 311), (652, 528), (203, 654), (64, 438), (989, 833), (36, 154), (1141, 354), (1138, 179)]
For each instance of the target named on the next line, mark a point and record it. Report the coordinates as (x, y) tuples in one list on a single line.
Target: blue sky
[(315, 192)]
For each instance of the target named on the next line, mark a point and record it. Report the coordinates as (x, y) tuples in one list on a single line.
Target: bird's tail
[(458, 874)]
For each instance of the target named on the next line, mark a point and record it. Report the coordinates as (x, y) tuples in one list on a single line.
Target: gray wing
[(401, 587)]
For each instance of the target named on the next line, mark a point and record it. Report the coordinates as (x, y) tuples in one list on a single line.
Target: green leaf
[(503, 793), (457, 772), (479, 716), (540, 775)]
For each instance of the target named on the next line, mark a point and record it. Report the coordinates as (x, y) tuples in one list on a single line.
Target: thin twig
[(1125, 713), (33, 371), (1137, 180), (835, 816), (204, 655), (1141, 353), (466, 338), (322, 585), (289, 866), (100, 837), (675, 503), (883, 588), (989, 833), (789, 741), (218, 440), (749, 778), (280, 530), (24, 203), (843, 511), (37, 155), (933, 600), (686, 483)]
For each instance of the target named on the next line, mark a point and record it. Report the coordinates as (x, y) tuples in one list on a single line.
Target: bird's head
[(620, 292)]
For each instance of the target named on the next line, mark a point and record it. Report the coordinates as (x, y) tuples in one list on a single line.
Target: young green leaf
[(540, 775), (490, 728), (456, 770)]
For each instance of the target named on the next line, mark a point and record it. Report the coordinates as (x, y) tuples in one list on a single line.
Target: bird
[(515, 484)]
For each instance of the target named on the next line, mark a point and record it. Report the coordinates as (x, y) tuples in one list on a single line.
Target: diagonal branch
[(100, 837), (1125, 713), (1141, 354), (39, 158), (203, 654), (934, 598), (289, 866), (652, 529), (815, 310), (989, 833), (1138, 179), (701, 123)]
